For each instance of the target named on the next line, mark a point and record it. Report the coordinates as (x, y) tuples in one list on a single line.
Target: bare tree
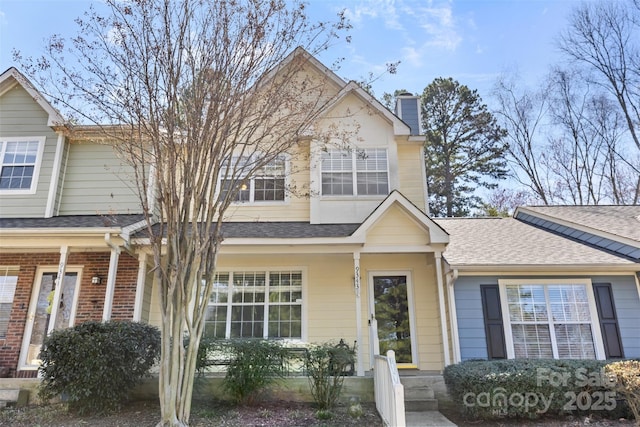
[(521, 113), (504, 201), (584, 144), (604, 38), (189, 91)]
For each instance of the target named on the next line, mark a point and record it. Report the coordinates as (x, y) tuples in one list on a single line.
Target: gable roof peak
[(12, 77)]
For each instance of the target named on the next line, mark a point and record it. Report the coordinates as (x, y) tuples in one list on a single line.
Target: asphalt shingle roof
[(71, 221), (285, 230), (279, 230), (509, 242), (623, 221)]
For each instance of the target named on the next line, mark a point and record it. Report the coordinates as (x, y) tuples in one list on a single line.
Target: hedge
[(94, 365), (531, 388)]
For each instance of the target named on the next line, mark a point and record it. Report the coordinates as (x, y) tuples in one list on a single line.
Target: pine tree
[(464, 147)]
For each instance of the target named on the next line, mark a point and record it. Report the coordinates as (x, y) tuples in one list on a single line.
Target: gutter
[(540, 269)]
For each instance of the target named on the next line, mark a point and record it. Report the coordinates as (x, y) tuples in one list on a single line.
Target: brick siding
[(90, 299)]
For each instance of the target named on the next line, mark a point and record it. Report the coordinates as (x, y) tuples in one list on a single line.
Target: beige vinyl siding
[(21, 116), (396, 228), (97, 182), (412, 184), (329, 305)]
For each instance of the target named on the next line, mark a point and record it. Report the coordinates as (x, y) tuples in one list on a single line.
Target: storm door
[(45, 315), (393, 312)]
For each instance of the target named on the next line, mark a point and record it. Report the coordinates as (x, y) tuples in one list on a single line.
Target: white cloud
[(383, 9), (437, 22), (412, 56)]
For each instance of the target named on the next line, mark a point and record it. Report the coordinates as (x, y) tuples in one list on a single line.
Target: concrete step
[(14, 397), (420, 405), (418, 395)]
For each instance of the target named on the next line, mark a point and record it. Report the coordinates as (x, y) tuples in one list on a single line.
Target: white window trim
[(267, 270), (36, 169), (251, 183), (593, 311), (354, 175)]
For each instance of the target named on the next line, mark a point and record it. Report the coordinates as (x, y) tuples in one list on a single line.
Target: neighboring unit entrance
[(392, 309), (45, 315)]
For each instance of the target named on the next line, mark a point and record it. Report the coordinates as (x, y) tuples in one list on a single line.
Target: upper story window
[(19, 163), (267, 184), (355, 172)]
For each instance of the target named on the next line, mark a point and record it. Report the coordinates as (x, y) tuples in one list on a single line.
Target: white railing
[(389, 392)]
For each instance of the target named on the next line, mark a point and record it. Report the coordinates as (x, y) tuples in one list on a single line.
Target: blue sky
[(472, 41)]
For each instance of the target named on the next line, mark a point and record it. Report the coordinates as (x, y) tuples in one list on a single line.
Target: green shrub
[(627, 383), (254, 365), (325, 368), (94, 365), (529, 388)]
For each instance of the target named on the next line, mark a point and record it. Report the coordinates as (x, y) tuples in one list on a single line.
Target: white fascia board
[(289, 250), (524, 270), (586, 229), (398, 249), (315, 241)]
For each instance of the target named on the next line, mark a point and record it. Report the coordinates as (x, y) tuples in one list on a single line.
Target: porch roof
[(279, 230), (621, 221), (507, 242), (71, 221)]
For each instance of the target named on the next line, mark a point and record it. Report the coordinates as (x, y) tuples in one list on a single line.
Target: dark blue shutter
[(493, 324), (608, 321)]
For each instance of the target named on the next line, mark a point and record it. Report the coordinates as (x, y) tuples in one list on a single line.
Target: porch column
[(443, 319), (111, 280), (62, 271), (142, 275), (356, 285)]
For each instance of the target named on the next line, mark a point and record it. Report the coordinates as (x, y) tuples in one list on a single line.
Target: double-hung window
[(19, 163), (256, 304), (8, 282), (355, 172), (263, 184), (555, 319)]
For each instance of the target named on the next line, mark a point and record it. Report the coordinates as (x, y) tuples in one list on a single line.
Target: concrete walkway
[(427, 419)]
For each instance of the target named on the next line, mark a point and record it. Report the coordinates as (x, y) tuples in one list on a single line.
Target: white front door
[(45, 316), (392, 309)]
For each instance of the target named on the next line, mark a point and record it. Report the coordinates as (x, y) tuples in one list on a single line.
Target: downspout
[(452, 275), (111, 278), (443, 317), (55, 177)]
